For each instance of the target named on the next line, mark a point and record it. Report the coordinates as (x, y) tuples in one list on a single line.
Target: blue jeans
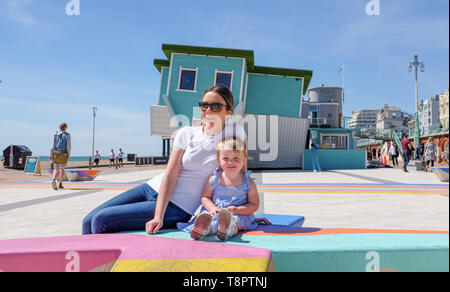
[(131, 210), (406, 157)]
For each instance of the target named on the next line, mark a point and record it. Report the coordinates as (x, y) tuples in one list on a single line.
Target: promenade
[(371, 198)]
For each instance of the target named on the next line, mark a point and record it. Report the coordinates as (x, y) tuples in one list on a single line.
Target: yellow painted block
[(194, 265)]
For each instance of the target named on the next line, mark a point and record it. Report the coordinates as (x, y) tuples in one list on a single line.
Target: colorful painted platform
[(343, 250), (79, 174), (441, 173), (391, 189), (128, 253)]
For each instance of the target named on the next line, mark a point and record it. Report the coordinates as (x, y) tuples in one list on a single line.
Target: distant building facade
[(324, 107), (363, 119), (389, 118), (443, 109), (429, 114)]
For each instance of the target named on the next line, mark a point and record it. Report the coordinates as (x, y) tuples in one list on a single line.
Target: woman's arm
[(251, 206), (244, 168), (168, 183)]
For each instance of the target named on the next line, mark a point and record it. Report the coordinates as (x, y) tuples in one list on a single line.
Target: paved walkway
[(371, 198)]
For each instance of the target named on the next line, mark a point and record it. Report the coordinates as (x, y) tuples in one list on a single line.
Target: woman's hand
[(262, 221), (214, 211), (153, 226)]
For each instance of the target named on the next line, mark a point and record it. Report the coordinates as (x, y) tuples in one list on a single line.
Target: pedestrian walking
[(393, 151), (420, 151), (97, 158), (430, 153), (406, 149), (59, 154), (112, 157), (120, 158)]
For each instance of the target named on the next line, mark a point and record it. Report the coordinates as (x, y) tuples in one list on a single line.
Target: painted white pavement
[(35, 210)]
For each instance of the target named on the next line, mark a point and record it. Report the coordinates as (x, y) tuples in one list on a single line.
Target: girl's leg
[(236, 229)]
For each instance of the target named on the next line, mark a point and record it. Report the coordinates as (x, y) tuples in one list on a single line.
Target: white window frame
[(195, 81), (340, 135), (224, 72)]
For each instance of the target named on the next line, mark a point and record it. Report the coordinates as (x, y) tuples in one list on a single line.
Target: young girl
[(230, 197)]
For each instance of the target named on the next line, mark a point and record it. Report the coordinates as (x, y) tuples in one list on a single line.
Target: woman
[(176, 195), (393, 151), (430, 153)]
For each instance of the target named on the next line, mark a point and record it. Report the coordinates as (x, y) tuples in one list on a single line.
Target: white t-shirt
[(198, 164)]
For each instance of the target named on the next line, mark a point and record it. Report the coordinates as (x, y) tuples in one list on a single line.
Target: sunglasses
[(215, 106)]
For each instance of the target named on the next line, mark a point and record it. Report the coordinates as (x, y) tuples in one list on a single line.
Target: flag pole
[(343, 82)]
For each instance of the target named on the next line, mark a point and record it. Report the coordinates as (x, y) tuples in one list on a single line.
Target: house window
[(335, 141), (187, 79), (224, 78)]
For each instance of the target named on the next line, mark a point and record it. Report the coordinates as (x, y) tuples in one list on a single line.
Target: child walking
[(230, 197)]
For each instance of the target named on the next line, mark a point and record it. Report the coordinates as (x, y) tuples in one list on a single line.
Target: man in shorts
[(112, 157), (60, 153), (120, 158)]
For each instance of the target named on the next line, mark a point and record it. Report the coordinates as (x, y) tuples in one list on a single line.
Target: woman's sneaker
[(201, 226), (225, 227)]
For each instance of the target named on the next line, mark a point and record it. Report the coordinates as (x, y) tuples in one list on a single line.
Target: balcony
[(318, 123)]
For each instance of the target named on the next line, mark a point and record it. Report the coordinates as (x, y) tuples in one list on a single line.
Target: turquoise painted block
[(273, 95), (336, 159), (344, 252)]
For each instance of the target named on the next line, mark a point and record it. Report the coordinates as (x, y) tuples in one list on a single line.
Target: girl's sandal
[(201, 226)]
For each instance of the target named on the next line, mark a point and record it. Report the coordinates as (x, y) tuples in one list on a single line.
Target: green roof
[(168, 49), (210, 51), (159, 63), (306, 74)]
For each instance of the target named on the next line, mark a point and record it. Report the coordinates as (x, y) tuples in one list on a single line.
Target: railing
[(368, 142), (318, 122)]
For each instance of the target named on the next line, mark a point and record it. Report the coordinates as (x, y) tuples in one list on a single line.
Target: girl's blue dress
[(224, 197)]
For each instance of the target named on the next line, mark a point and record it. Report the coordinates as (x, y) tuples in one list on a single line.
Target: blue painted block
[(284, 220), (441, 173)]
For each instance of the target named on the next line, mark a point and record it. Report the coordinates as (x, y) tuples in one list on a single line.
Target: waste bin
[(131, 157), (16, 156)]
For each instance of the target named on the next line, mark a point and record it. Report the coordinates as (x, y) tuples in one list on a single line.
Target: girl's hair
[(234, 144), (63, 126), (224, 92)]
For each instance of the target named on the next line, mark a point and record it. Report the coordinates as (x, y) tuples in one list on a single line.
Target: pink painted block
[(85, 253)]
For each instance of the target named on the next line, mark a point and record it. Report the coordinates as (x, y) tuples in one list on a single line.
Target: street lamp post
[(94, 111), (416, 65)]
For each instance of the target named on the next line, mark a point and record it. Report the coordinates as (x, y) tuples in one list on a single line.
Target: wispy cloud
[(16, 10)]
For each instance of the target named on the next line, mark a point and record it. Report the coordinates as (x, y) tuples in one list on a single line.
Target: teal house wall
[(330, 159), (206, 66), (262, 90), (163, 85), (274, 95)]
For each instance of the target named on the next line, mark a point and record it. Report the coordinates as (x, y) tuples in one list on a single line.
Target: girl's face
[(231, 161), (214, 119)]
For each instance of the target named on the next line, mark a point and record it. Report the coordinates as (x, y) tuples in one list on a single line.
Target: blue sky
[(56, 67)]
